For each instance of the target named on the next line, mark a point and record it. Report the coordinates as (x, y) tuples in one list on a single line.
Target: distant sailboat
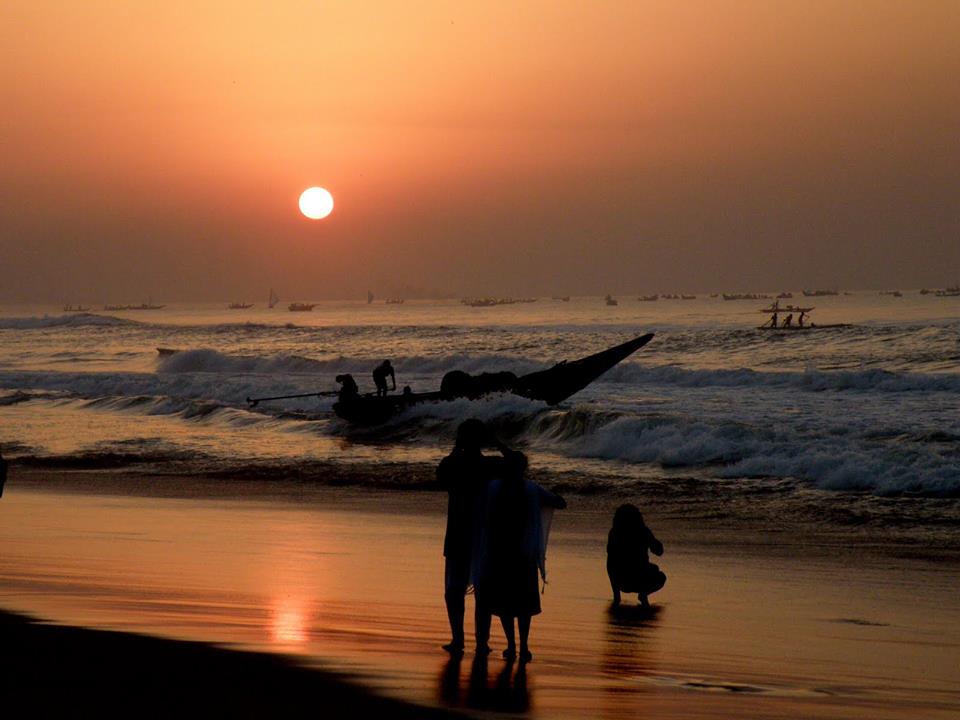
[(239, 306), (369, 297), (274, 299)]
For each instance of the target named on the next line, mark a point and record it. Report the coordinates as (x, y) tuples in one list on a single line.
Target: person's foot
[(510, 653), (454, 648), (525, 655), (483, 649)]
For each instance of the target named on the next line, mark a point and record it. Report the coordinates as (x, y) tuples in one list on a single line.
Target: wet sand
[(351, 581)]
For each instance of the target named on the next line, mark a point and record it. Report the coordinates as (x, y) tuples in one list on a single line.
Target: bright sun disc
[(316, 203)]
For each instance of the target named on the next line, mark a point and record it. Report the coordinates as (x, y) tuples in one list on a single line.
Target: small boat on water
[(949, 292), (819, 293), (551, 386), (301, 307), (75, 308), (141, 306), (239, 306), (273, 299), (610, 300), (788, 324), (394, 301), (648, 298)]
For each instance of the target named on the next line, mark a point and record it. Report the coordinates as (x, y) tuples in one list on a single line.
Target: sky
[(157, 150)]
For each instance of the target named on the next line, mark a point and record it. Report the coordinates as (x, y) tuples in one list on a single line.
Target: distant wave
[(811, 380), (67, 320), (205, 360)]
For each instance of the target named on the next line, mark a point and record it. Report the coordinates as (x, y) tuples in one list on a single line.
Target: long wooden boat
[(552, 386)]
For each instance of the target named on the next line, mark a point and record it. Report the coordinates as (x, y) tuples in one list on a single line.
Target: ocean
[(848, 431)]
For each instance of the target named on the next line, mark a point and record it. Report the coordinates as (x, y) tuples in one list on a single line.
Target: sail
[(274, 299)]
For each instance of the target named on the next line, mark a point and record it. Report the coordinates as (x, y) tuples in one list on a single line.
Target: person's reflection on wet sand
[(629, 654), (450, 681), (509, 692)]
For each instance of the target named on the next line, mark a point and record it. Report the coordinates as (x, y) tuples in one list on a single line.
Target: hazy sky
[(158, 149)]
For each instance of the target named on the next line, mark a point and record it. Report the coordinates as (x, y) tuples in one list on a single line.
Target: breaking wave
[(59, 321)]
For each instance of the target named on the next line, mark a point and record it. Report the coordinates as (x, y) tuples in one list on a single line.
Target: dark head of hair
[(341, 378), (627, 515), (386, 363), (471, 435)]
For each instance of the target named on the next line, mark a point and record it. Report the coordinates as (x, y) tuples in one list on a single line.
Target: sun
[(316, 203)]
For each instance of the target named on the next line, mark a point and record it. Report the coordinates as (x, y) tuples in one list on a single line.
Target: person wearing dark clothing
[(380, 375), (3, 474), (515, 551), (348, 388), (465, 473), (628, 565)]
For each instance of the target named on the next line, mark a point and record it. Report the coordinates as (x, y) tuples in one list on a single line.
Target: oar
[(255, 401)]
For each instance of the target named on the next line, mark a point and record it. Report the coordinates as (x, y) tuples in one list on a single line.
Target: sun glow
[(316, 203)]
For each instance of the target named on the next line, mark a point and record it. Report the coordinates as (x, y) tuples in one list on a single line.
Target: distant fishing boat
[(819, 293), (648, 298), (75, 308), (394, 301), (239, 306), (561, 298), (274, 299), (949, 292), (610, 300), (301, 307), (369, 297)]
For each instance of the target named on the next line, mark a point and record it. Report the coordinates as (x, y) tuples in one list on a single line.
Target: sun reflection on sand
[(288, 622)]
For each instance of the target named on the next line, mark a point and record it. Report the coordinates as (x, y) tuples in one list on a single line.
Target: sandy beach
[(350, 581)]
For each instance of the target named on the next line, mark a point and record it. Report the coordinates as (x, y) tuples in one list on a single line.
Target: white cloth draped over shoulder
[(539, 506)]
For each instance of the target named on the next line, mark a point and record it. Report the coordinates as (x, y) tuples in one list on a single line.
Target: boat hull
[(551, 386)]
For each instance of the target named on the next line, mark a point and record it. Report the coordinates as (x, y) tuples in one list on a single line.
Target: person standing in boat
[(803, 315), (3, 474), (788, 321), (380, 375)]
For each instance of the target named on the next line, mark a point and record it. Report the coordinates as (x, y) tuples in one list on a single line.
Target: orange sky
[(476, 148)]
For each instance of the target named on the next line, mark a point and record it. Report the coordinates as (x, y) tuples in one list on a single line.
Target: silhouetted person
[(803, 315), (465, 473), (628, 565), (348, 388), (788, 321), (515, 551), (3, 473), (773, 321), (380, 375)]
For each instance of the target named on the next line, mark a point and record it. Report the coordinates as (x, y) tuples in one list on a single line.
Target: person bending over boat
[(380, 374), (628, 565), (348, 388), (788, 321)]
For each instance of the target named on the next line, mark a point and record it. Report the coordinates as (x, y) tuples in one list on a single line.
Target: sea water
[(854, 426)]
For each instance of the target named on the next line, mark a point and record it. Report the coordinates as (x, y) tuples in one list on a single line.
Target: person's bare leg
[(481, 622), (455, 609), (644, 602), (523, 625), (616, 591), (511, 651)]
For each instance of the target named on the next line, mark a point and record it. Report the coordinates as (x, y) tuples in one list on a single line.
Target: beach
[(349, 580)]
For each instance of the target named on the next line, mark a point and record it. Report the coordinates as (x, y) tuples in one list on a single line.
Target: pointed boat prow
[(556, 384)]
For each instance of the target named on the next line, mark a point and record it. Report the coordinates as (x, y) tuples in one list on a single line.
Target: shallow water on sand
[(352, 580)]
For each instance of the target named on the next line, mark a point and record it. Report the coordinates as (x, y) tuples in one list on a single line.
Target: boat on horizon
[(239, 306), (273, 299), (301, 307), (819, 293), (552, 386), (610, 300), (75, 308), (788, 324)]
